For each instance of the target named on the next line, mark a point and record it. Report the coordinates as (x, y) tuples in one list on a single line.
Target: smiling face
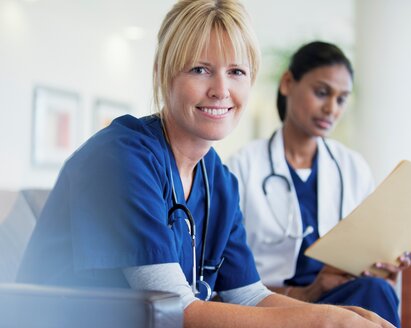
[(316, 101), (207, 98)]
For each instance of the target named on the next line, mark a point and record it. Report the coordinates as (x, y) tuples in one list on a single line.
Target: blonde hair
[(186, 31)]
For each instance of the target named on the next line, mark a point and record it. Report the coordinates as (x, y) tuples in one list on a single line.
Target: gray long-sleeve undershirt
[(170, 278)]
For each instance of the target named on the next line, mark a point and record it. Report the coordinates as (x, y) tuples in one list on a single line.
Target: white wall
[(383, 54), (71, 45), (78, 45)]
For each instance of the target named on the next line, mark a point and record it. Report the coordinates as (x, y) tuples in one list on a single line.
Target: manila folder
[(378, 230)]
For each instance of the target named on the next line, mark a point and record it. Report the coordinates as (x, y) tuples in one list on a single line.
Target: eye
[(238, 72), (341, 100), (321, 92), (199, 70)]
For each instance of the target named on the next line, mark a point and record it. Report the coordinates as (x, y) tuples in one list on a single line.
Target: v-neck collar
[(313, 172), (178, 184)]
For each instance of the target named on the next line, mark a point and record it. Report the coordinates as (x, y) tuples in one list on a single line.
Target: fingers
[(389, 271), (390, 278), (404, 263), (389, 267), (405, 260), (371, 316)]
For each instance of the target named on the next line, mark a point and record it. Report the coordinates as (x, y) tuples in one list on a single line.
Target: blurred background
[(68, 67)]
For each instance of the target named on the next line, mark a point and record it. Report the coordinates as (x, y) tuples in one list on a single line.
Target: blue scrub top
[(109, 210), (307, 194)]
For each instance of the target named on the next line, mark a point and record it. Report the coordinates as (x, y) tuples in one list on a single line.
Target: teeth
[(215, 112)]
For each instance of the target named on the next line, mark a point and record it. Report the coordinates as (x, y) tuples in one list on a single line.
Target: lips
[(323, 123)]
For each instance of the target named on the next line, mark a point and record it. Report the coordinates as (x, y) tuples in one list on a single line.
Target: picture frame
[(105, 111), (56, 126)]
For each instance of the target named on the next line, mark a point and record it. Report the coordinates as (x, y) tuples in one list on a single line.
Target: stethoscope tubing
[(274, 174), (177, 206), (207, 218)]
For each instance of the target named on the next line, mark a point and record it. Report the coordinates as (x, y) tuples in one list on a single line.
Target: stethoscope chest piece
[(203, 290)]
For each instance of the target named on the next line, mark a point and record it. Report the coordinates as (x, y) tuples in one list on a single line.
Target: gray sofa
[(35, 306)]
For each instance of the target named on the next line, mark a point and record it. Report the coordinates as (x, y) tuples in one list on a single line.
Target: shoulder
[(350, 160), (127, 144), (215, 167), (342, 152), (249, 155), (222, 178), (251, 150)]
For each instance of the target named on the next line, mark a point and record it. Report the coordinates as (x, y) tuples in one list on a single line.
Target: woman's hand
[(327, 279), (279, 311), (390, 271), (371, 316)]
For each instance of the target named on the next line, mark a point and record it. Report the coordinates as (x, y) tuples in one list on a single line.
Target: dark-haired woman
[(297, 185)]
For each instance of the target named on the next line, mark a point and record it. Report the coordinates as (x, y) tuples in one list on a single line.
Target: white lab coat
[(275, 254)]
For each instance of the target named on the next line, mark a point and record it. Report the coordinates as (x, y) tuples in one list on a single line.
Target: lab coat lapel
[(281, 168), (328, 190), (280, 165)]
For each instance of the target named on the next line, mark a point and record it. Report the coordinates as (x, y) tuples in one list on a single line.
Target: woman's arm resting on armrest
[(279, 311)]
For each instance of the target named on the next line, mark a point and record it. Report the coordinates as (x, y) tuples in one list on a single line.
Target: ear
[(286, 82)]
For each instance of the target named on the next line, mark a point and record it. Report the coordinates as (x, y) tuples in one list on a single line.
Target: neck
[(299, 149), (187, 152)]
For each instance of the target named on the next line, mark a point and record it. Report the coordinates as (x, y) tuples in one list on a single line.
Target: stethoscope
[(192, 229), (287, 230)]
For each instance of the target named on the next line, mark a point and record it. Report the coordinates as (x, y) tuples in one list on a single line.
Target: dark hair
[(310, 56)]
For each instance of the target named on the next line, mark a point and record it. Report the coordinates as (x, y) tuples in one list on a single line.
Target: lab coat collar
[(278, 155), (328, 182), (329, 187), (281, 168)]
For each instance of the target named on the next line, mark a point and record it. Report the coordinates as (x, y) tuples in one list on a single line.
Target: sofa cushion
[(16, 225), (35, 306), (36, 198)]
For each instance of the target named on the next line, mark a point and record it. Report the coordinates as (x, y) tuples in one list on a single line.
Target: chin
[(322, 133), (218, 134)]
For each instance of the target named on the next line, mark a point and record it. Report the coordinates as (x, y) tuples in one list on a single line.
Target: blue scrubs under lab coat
[(374, 294)]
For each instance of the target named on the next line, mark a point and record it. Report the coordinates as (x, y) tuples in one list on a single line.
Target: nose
[(331, 106), (219, 87)]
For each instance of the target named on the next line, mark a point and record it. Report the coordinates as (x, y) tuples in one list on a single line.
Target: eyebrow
[(229, 65), (328, 85)]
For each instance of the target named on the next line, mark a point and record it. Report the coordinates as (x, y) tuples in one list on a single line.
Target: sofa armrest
[(35, 306), (406, 299)]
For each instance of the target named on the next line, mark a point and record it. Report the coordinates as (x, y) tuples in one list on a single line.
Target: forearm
[(215, 315), (277, 300), (306, 294), (275, 311)]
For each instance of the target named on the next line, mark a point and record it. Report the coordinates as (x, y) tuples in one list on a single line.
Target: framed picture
[(56, 126), (107, 110)]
